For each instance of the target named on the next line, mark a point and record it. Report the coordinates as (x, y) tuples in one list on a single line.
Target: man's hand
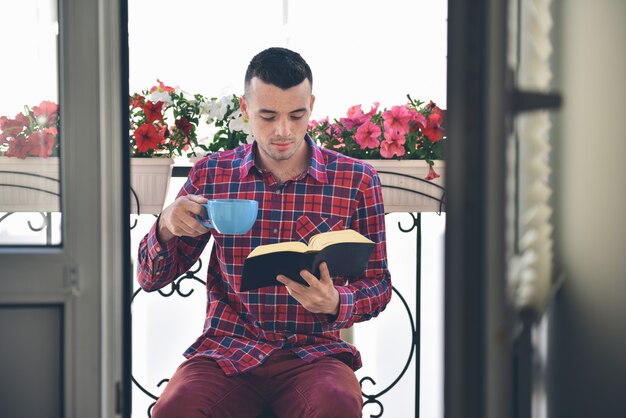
[(178, 219), (321, 295)]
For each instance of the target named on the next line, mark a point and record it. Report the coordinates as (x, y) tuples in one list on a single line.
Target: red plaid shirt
[(242, 329)]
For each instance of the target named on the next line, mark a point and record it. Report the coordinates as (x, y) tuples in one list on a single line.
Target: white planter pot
[(32, 184), (150, 180), (29, 185), (405, 188)]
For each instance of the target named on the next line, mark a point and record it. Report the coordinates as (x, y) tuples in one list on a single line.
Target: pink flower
[(19, 147), (162, 87), (313, 123), (432, 174), (390, 148), (417, 120), (356, 117), (13, 127), (397, 119), (367, 135), (49, 111), (395, 136), (335, 130), (42, 142), (373, 109), (355, 112)]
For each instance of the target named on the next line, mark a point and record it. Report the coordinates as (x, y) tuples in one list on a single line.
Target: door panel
[(36, 336)]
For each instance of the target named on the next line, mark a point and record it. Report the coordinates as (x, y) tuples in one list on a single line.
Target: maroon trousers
[(285, 383)]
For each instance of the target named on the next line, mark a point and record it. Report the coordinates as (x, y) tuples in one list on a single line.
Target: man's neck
[(286, 170)]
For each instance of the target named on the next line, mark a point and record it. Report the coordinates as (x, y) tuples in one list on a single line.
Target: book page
[(325, 239), (292, 246)]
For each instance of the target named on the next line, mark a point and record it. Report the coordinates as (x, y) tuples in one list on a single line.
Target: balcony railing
[(167, 321)]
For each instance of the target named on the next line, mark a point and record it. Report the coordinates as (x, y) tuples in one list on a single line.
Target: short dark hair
[(280, 67)]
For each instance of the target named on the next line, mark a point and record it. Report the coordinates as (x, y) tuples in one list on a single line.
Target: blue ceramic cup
[(230, 216)]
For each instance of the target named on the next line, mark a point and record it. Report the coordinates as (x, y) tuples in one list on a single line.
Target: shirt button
[(278, 191), (275, 230), (261, 356)]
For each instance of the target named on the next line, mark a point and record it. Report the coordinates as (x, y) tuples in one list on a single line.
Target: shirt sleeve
[(365, 297), (160, 264)]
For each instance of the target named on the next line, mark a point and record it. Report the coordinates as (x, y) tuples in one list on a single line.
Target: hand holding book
[(320, 296)]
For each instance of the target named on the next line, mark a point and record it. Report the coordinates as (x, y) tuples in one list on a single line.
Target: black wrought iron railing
[(371, 394)]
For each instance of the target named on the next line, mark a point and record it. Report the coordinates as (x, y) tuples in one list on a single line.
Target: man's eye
[(267, 118), (294, 117)]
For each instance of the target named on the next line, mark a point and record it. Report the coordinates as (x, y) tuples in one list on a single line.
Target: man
[(278, 347)]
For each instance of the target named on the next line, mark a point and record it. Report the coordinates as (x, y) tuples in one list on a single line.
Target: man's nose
[(283, 128)]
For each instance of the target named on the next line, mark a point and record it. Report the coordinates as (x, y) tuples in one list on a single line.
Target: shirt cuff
[(155, 248), (346, 307)]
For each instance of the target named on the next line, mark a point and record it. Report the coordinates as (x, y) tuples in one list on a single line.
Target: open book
[(346, 252)]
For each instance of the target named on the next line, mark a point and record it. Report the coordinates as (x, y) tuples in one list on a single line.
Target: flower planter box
[(29, 185), (405, 188), (150, 180), (32, 184)]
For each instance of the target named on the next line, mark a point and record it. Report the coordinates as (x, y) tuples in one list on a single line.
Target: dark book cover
[(344, 259)]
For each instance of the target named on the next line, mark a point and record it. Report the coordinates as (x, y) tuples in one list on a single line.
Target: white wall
[(587, 364), (360, 50)]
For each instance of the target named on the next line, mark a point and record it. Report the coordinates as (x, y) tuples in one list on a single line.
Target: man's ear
[(312, 102), (243, 106)]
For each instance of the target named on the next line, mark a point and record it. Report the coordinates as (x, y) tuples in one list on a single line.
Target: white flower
[(42, 120), (160, 96), (239, 123), (216, 109)]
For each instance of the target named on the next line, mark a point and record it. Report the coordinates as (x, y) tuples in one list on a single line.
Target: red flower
[(147, 137), (434, 109), (153, 111), (183, 125), (434, 129), (137, 100), (432, 174)]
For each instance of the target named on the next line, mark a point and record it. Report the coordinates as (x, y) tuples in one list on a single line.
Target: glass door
[(60, 208)]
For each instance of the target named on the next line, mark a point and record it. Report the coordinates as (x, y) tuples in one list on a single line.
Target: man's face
[(278, 119)]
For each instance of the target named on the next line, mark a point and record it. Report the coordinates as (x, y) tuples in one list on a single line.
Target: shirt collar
[(317, 167)]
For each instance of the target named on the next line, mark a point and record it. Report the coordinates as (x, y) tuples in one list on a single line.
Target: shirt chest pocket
[(309, 225)]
